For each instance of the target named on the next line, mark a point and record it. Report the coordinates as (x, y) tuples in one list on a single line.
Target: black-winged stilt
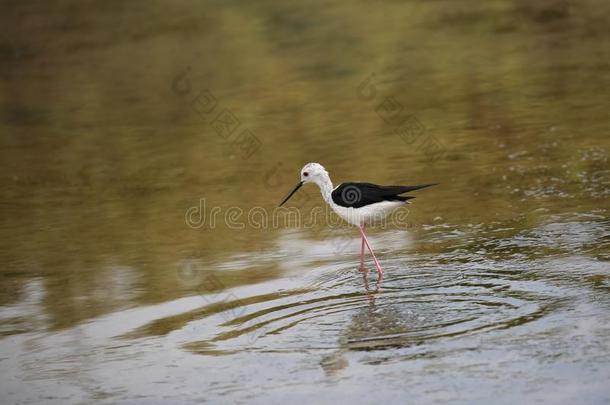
[(357, 203)]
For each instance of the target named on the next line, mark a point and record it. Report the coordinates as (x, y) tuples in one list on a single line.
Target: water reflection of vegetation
[(102, 159)]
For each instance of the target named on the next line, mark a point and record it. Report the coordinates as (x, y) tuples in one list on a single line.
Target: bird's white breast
[(367, 214)]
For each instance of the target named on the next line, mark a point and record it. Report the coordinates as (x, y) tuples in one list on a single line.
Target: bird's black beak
[(292, 192)]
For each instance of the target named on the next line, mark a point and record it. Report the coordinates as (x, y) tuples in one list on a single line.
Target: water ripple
[(411, 306)]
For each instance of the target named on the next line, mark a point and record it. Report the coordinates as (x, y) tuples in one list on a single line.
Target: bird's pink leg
[(379, 269), (362, 253)]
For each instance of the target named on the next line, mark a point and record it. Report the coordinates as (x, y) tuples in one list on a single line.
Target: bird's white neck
[(326, 188)]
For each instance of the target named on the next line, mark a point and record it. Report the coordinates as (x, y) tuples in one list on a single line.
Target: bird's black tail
[(396, 190), (406, 189)]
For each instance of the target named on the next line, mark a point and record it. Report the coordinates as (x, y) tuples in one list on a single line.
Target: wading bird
[(357, 203)]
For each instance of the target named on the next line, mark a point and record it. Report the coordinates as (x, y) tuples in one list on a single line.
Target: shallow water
[(130, 275)]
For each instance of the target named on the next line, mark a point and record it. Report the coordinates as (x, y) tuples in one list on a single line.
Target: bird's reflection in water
[(371, 292), (333, 363)]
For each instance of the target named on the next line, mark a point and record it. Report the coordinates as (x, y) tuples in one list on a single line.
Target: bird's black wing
[(358, 195)]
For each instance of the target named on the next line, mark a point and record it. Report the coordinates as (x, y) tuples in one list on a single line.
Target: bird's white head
[(312, 173)]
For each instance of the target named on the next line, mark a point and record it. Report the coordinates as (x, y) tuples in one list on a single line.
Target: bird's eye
[(305, 174)]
